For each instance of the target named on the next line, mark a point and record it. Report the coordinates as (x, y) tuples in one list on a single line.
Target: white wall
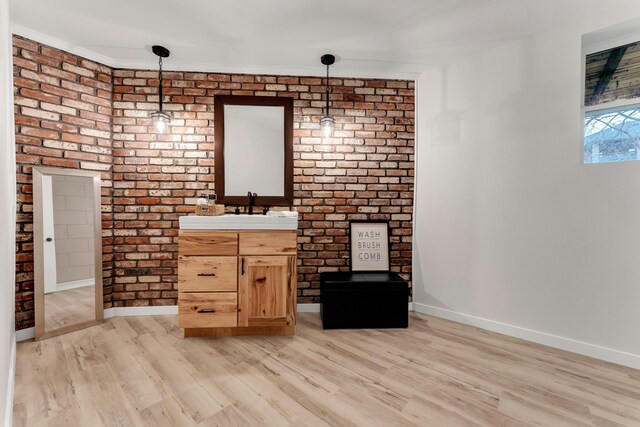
[(512, 232), (7, 220)]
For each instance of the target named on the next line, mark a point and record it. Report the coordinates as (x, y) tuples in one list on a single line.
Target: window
[(612, 135), (612, 105)]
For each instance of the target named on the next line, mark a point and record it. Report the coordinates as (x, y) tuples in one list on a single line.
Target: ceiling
[(370, 38)]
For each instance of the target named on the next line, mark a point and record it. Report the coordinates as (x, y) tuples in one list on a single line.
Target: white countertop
[(274, 221)]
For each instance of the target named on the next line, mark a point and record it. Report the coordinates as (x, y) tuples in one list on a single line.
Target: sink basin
[(238, 222)]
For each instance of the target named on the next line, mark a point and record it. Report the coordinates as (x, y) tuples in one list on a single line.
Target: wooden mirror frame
[(38, 250), (261, 200)]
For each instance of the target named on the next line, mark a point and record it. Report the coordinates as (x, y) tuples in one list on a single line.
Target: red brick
[(41, 59), (56, 72), (55, 53), (62, 163), (25, 43), (23, 63), (21, 82)]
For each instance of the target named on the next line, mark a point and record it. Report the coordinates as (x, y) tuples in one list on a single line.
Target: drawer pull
[(206, 310), (207, 274)]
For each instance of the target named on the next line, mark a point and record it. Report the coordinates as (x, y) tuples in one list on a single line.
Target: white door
[(50, 273)]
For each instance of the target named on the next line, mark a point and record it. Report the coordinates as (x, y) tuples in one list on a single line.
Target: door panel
[(265, 290), (49, 258)]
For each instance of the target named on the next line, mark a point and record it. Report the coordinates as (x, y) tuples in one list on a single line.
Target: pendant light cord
[(160, 82), (327, 90)]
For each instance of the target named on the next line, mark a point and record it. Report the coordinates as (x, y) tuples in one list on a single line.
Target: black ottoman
[(363, 300)]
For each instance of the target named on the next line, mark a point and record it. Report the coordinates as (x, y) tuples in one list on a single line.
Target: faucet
[(252, 197)]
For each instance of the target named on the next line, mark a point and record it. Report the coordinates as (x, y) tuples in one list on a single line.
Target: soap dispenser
[(211, 202), (215, 209)]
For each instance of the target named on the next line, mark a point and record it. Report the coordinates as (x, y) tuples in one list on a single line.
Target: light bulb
[(326, 126), (160, 126), (160, 121)]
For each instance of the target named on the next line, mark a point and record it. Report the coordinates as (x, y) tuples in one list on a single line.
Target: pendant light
[(327, 122), (160, 118)]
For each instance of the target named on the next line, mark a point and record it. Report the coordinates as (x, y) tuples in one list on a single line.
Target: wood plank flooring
[(139, 371), (69, 307)]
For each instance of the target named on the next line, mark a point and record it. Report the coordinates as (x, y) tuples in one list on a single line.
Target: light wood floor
[(68, 307), (140, 371)]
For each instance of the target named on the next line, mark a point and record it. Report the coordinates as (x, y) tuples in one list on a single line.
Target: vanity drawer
[(205, 242), (207, 273), (268, 242), (207, 309)]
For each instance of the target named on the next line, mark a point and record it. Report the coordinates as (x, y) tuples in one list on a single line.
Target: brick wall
[(366, 172), (65, 106), (63, 119)]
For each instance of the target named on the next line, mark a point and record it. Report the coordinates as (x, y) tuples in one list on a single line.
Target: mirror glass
[(254, 149), (68, 240), (254, 136)]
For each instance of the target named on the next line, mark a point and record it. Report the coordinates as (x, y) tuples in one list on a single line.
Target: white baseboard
[(8, 410), (610, 355), (163, 310), (25, 334), (75, 284), (154, 310), (308, 308)]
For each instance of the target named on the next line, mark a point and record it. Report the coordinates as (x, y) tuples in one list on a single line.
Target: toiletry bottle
[(202, 205)]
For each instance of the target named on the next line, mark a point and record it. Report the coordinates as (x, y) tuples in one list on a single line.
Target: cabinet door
[(267, 291)]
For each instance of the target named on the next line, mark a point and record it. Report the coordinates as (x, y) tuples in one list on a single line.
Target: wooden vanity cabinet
[(237, 282)]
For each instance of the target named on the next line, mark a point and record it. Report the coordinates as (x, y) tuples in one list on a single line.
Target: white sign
[(369, 246)]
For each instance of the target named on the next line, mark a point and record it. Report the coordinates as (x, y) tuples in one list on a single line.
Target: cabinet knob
[(207, 274), (206, 310)]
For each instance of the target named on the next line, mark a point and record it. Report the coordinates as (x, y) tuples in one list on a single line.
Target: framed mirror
[(67, 249), (254, 149)]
